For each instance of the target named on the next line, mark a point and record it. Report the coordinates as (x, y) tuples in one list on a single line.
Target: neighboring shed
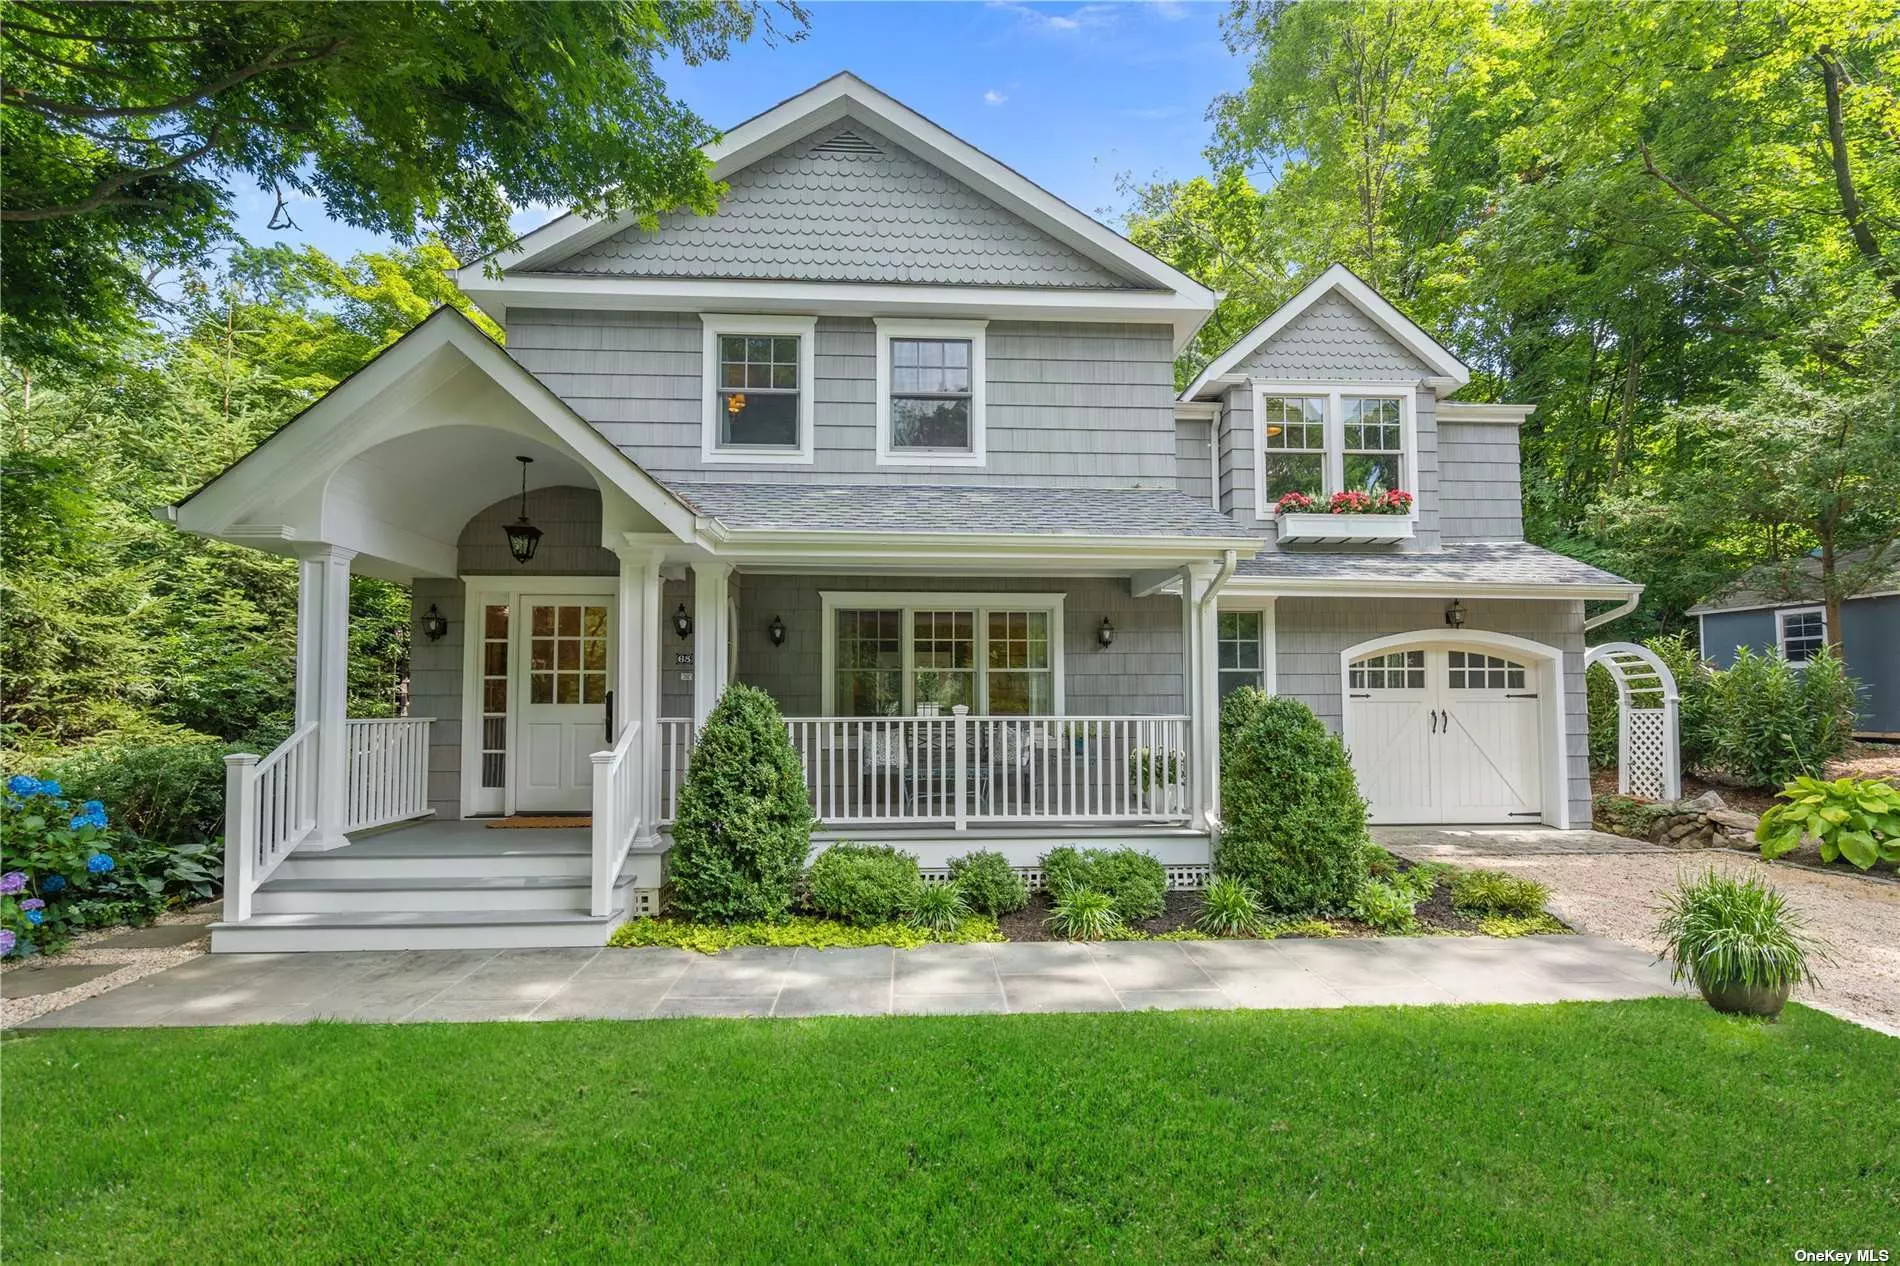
[(1779, 611)]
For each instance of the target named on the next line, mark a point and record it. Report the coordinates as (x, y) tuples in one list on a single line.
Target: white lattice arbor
[(1648, 749)]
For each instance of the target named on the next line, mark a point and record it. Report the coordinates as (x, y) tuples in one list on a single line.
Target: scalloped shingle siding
[(1334, 339), (848, 206)]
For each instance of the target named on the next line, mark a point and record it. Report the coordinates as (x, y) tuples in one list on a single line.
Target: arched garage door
[(1455, 730)]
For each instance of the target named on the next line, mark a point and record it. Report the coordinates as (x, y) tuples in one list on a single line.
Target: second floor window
[(930, 394), (1293, 430), (1321, 442), (758, 391)]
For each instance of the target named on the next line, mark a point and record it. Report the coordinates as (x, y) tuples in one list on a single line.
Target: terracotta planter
[(1762, 1000)]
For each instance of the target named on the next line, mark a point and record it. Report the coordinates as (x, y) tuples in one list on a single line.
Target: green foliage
[(937, 907), (166, 786), (989, 883), (800, 931), (1719, 931), (1511, 926), (1770, 721), (1419, 881), (864, 884), (125, 128), (1854, 818), (53, 854), (1316, 929), (744, 822), (1083, 914), (1230, 908), (1294, 825), (1389, 907), (1493, 892), (1132, 880)]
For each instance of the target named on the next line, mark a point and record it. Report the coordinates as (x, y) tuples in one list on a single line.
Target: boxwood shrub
[(1293, 825), (744, 825), (989, 883), (1132, 880), (865, 884)]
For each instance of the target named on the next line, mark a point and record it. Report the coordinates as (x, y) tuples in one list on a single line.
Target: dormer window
[(1320, 441), (757, 396), (930, 393)]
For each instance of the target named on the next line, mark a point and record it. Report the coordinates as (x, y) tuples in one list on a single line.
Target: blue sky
[(1071, 95)]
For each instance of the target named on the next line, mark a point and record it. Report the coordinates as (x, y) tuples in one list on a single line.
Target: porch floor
[(467, 837)]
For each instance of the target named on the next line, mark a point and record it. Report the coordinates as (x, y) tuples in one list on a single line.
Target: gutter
[(1616, 612)]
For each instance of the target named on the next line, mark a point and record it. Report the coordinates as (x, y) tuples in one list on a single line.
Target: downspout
[(1616, 612), (1210, 725)]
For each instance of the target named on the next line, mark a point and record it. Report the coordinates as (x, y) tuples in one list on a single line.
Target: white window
[(757, 388), (894, 654), (1394, 670), (930, 393), (1801, 633), (1320, 441), (1242, 649)]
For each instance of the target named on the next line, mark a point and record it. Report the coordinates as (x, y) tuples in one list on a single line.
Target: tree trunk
[(1851, 209)]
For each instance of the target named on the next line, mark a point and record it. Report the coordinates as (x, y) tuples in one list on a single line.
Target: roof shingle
[(1477, 563)]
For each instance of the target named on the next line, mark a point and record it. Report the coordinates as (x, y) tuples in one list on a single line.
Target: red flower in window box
[(1296, 503), (1392, 501)]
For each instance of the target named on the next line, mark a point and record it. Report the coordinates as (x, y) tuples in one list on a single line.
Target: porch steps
[(517, 893), (394, 929)]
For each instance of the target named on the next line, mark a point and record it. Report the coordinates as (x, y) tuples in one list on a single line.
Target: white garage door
[(1439, 734)]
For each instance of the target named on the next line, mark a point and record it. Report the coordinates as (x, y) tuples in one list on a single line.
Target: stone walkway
[(557, 984)]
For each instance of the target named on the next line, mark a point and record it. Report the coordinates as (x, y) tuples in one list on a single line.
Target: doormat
[(522, 821)]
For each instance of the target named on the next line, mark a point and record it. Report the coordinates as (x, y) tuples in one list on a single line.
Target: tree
[(122, 126)]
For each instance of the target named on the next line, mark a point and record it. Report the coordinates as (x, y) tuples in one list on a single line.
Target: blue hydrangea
[(93, 814), (99, 863), (53, 883), (50, 788), (21, 785), (13, 881), (36, 917)]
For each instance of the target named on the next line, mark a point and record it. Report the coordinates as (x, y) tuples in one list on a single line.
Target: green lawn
[(1639, 1131)]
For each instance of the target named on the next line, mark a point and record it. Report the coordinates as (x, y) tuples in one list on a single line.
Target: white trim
[(478, 592), (976, 333), (1550, 685), (843, 95), (1265, 607), (1333, 460), (832, 600), (1361, 296), (1781, 629), (716, 324), (1465, 411)]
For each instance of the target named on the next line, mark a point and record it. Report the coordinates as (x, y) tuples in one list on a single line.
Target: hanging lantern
[(523, 536)]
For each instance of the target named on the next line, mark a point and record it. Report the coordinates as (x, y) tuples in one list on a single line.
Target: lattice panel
[(1185, 878), (1647, 751)]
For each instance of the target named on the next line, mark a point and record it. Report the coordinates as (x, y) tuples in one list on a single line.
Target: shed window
[(1802, 633)]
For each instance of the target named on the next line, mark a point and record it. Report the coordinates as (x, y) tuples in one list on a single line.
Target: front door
[(1446, 735), (564, 679)]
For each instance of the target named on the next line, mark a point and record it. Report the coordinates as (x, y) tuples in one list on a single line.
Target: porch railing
[(616, 814), (958, 769), (388, 762), (270, 806)]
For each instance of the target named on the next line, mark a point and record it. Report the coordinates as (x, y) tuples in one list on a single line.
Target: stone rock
[(1734, 820), (1701, 804)]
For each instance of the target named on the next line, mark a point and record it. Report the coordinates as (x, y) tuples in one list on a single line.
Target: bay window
[(922, 654)]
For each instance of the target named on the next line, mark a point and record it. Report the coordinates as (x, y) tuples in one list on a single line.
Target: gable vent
[(846, 142)]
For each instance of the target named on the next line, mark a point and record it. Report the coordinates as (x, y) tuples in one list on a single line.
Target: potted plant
[(1158, 778), (1738, 941)]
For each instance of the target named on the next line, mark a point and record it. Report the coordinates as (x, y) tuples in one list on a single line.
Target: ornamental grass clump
[(937, 908), (1084, 914), (1293, 826), (989, 883), (1230, 908), (744, 823), (1738, 941)]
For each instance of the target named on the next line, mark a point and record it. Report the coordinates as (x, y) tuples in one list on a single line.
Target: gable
[(1333, 339), (847, 204)]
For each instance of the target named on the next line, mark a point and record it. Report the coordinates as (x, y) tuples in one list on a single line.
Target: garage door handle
[(1434, 723), (1444, 721)]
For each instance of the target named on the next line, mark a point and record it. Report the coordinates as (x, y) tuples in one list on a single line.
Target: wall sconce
[(434, 624), (776, 631), (1106, 633), (682, 623), (1455, 615)]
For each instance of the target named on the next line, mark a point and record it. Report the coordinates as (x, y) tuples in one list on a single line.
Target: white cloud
[(993, 97), (1046, 18)]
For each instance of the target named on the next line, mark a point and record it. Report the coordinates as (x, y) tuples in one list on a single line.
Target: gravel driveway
[(1610, 886)]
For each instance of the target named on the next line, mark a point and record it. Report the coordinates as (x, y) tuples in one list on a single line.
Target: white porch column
[(712, 635), (330, 567), (1199, 655), (637, 673), (309, 623)]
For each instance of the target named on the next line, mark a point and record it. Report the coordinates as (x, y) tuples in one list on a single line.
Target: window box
[(1344, 529)]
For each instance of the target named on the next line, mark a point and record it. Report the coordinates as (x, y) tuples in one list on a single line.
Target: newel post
[(240, 826), (961, 744), (605, 833)]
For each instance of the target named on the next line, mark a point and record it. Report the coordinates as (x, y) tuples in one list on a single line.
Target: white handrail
[(616, 814), (270, 806), (960, 769), (388, 762)]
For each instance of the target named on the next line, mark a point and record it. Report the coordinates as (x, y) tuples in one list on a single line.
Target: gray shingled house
[(894, 436)]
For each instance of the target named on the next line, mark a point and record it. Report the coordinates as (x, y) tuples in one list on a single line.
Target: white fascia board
[(1360, 295), (828, 102), (1495, 414), (309, 442), (828, 298), (1316, 587), (1700, 610)]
